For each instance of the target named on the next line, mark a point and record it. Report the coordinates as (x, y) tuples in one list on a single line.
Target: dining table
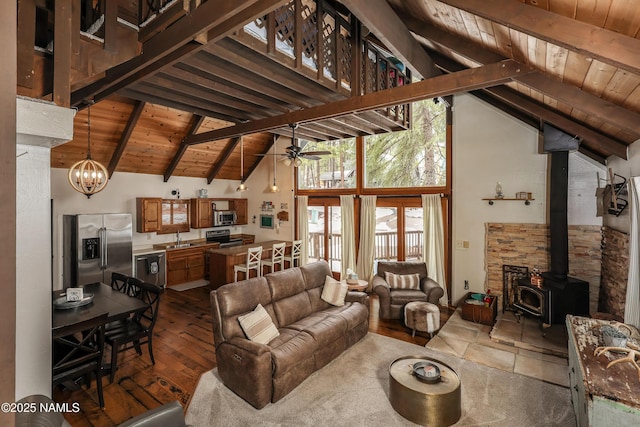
[(116, 304)]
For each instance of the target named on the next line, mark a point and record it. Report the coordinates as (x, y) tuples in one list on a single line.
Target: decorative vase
[(499, 194)]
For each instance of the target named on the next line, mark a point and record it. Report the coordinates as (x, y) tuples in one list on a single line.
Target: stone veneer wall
[(615, 269), (528, 245)]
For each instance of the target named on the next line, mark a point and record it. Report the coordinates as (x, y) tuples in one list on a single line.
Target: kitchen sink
[(179, 245)]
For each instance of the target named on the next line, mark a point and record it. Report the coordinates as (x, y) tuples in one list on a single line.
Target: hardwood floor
[(183, 350)]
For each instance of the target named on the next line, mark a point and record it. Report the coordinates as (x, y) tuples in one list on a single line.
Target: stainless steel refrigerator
[(94, 246)]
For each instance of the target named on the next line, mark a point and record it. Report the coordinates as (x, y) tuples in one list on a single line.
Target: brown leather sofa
[(312, 332), (392, 301)]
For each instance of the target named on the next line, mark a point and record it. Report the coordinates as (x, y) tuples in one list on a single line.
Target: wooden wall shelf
[(526, 201)]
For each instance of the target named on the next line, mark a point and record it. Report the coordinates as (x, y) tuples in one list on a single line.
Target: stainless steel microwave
[(221, 218)]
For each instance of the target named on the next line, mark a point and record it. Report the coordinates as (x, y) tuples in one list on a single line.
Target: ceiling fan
[(294, 153)]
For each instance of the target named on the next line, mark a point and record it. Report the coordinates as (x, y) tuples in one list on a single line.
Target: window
[(399, 229), (411, 158), (337, 170)]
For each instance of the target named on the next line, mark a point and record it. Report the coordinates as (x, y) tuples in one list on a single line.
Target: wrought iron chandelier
[(88, 176)]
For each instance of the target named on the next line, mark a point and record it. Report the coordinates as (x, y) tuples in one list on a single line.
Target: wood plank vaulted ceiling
[(577, 68)]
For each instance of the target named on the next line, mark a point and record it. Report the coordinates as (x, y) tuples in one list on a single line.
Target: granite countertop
[(191, 244), (242, 249)]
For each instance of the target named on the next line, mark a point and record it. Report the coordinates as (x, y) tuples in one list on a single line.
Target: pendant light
[(88, 176), (242, 186), (274, 187)]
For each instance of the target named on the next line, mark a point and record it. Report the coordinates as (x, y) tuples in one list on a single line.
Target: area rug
[(353, 390), (189, 285)]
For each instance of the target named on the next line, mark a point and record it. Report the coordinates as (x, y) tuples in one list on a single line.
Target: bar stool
[(254, 255), (277, 257), (296, 253)]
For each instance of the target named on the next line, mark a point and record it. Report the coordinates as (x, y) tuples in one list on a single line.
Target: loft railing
[(323, 44), (386, 246)]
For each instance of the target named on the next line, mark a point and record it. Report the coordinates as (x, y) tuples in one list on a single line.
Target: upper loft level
[(236, 66)]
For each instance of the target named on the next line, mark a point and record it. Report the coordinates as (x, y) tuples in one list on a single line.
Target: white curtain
[(303, 227), (632, 304), (433, 244), (367, 248), (347, 215)]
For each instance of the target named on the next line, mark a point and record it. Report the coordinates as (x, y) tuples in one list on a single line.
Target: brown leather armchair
[(392, 301)]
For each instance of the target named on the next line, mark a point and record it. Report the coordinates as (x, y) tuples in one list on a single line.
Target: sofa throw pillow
[(258, 326), (334, 291), (403, 281)]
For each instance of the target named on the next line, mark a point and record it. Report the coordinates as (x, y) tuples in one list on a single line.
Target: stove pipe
[(558, 226)]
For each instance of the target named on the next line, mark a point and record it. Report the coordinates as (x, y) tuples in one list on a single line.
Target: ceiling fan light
[(287, 162), (297, 162)]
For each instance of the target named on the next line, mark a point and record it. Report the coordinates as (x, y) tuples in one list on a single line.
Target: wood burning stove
[(530, 300)]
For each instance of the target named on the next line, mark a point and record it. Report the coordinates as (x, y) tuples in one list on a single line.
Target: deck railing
[(386, 246)]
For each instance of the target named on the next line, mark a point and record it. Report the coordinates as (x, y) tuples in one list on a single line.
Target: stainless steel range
[(223, 237)]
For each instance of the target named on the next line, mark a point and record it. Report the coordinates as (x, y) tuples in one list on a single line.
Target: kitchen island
[(222, 260)]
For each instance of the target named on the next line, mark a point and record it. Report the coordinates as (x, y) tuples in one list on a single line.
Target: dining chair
[(277, 257), (296, 254), (119, 282), (135, 330), (254, 256), (77, 353)]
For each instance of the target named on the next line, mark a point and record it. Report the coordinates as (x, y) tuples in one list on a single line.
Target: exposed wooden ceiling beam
[(599, 43), (267, 68), (210, 83), (595, 139), (134, 94), (185, 87), (196, 122), (236, 76), (222, 159), (381, 20), (587, 103), (218, 18), (464, 81), (124, 138)]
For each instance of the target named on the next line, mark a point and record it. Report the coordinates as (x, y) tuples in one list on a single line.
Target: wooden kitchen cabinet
[(148, 214), (185, 265), (241, 208), (201, 213), (174, 216)]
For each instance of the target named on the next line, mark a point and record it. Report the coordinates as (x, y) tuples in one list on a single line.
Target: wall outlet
[(466, 285)]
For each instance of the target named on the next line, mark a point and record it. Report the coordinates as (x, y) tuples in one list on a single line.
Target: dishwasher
[(151, 268)]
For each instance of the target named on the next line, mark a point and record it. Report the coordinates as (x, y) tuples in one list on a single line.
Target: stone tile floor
[(511, 346)]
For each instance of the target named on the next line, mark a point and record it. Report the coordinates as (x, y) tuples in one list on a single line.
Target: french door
[(325, 232)]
